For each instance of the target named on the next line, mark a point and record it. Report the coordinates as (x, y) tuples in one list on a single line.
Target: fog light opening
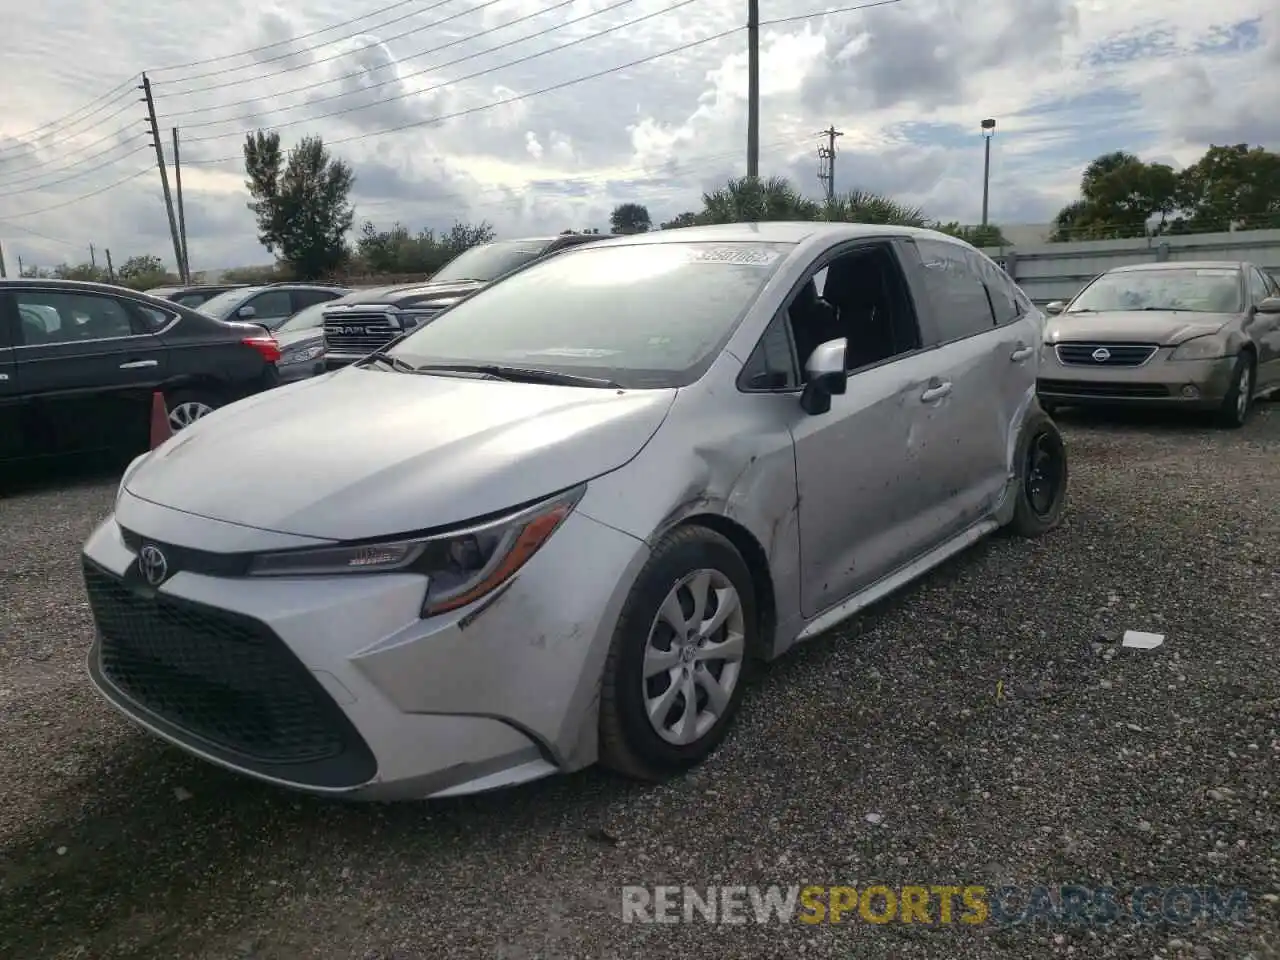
[(1190, 392)]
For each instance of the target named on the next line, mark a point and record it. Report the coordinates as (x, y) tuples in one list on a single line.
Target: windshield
[(640, 315), (490, 260), (307, 318), (224, 304), (1199, 290)]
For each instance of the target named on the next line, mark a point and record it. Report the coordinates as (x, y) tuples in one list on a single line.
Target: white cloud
[(907, 83)]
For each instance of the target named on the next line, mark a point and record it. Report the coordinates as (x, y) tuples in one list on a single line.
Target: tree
[(397, 251), (979, 236), (1120, 195), (140, 266), (630, 218), (80, 271), (1230, 186), (302, 203), (686, 219), (860, 206), (752, 200)]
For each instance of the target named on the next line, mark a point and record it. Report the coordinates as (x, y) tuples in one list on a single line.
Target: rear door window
[(956, 289), (271, 303), (47, 317)]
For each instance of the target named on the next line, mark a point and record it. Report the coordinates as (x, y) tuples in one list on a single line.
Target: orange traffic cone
[(160, 429)]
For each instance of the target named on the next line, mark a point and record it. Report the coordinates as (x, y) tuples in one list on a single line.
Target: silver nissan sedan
[(553, 526)]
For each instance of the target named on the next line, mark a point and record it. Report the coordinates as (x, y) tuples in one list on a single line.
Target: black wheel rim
[(1043, 476)]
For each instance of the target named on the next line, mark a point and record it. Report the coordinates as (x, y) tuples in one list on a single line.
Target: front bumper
[(1160, 381), (335, 685)]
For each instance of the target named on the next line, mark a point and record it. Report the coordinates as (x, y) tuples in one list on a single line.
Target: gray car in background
[(301, 337), (271, 305), (1201, 335)]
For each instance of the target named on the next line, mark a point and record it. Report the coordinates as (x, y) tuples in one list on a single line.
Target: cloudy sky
[(472, 110)]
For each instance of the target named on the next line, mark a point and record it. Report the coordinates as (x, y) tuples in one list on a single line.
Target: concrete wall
[(1057, 271)]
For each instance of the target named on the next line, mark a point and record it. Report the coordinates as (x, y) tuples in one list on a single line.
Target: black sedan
[(80, 363)]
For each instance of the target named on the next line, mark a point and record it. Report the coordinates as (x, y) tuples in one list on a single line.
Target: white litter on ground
[(1141, 641)]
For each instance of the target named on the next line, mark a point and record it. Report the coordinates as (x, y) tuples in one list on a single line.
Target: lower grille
[(1102, 389), (225, 679), (1105, 354), (358, 333)]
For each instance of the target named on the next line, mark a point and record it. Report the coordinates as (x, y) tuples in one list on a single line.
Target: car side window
[(772, 364), (1258, 290), (51, 318), (1272, 284), (191, 300), (1003, 294), (153, 319), (271, 303), (309, 298), (956, 289)]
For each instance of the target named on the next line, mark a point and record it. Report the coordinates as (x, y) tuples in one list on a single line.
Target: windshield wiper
[(521, 374), (395, 363)]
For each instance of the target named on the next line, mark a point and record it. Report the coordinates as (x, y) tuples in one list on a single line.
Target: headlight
[(1201, 348), (302, 356), (460, 567)]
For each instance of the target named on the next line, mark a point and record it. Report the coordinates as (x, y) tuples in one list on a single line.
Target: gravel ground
[(987, 716)]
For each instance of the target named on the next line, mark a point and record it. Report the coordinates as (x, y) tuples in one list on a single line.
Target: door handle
[(139, 364), (1022, 353), (4, 376), (936, 392)]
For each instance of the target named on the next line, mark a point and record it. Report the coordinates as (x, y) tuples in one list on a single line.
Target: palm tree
[(752, 200), (862, 206)]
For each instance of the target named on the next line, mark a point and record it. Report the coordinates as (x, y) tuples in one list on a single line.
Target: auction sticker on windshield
[(736, 255)]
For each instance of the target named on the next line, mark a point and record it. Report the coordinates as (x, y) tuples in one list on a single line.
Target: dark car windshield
[(490, 260), (639, 315), (1197, 290)]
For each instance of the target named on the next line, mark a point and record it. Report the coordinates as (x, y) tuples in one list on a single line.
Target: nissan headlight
[(1211, 347), (460, 567), (302, 356)]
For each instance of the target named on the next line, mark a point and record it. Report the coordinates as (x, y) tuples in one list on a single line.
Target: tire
[(630, 744), (1048, 406), (188, 405), (1238, 403), (1040, 448)]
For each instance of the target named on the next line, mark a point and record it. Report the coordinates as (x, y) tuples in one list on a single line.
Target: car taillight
[(267, 346)]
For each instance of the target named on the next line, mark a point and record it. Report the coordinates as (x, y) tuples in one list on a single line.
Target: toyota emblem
[(1102, 354), (153, 564)]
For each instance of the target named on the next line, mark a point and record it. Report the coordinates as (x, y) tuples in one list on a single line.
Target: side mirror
[(1055, 308), (246, 313), (1269, 305), (827, 376)]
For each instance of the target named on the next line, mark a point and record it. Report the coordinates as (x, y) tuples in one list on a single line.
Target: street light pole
[(988, 131)]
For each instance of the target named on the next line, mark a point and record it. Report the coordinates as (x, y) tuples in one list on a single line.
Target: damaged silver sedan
[(553, 526)]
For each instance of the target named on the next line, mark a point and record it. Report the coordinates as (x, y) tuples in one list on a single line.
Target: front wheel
[(187, 406), (673, 678), (1041, 462), (1238, 402)]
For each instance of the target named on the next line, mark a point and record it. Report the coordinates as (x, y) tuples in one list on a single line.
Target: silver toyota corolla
[(552, 526)]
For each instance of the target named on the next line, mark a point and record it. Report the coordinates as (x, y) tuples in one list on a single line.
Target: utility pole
[(753, 88), (184, 269), (164, 177), (93, 259), (111, 269), (827, 161), (3, 272), (19, 263), (988, 131)]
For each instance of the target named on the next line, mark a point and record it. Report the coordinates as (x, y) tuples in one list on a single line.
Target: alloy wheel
[(187, 413), (693, 657), (1244, 391)]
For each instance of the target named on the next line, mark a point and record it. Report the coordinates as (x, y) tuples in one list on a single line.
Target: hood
[(429, 292), (1167, 328), (367, 453)]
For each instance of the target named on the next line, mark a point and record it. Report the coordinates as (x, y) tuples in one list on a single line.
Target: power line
[(280, 43), (441, 66), (382, 66), (66, 203), (35, 144), (93, 156), (481, 73), (299, 52), (42, 236), (827, 13), (35, 132)]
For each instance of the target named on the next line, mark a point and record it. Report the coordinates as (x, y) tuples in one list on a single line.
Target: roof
[(1181, 265), (773, 231), (86, 285)]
